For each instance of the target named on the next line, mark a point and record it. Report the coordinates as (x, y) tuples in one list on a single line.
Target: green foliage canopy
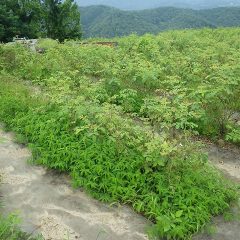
[(62, 19)]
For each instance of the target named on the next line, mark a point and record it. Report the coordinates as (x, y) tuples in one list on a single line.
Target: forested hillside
[(103, 21)]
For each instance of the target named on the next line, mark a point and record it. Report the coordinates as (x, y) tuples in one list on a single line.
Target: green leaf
[(179, 213)]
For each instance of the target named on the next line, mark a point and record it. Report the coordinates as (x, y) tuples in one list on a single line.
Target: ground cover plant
[(10, 230), (119, 120)]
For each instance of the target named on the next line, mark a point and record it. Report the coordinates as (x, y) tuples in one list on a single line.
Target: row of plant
[(188, 79), (109, 117), (115, 160)]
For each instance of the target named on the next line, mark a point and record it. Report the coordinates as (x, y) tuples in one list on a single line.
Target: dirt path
[(48, 204), (227, 159)]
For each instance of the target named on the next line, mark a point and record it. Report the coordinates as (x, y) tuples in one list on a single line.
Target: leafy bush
[(233, 134), (47, 43)]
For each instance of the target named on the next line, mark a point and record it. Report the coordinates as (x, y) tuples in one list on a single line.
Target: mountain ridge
[(143, 4), (105, 21)]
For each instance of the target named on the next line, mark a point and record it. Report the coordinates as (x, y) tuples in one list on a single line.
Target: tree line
[(55, 19)]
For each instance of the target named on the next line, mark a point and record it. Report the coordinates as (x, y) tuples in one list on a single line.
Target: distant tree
[(30, 14), (62, 19), (52, 17), (56, 19), (19, 17), (8, 22), (71, 25)]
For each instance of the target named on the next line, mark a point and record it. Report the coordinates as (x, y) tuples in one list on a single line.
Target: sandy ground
[(227, 159), (48, 204)]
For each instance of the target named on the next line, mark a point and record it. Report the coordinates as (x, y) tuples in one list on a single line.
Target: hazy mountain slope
[(222, 17), (170, 17), (102, 21), (144, 4)]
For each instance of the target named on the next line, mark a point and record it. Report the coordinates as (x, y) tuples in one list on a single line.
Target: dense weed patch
[(182, 79), (118, 119), (117, 161)]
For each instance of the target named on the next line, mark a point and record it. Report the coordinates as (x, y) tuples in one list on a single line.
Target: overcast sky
[(143, 4)]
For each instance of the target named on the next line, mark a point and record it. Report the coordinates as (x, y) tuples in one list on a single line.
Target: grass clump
[(10, 230)]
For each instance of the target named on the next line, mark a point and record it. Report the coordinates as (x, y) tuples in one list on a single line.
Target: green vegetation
[(120, 120), (48, 18), (103, 21)]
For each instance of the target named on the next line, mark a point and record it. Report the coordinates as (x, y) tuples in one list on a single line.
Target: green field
[(121, 120)]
